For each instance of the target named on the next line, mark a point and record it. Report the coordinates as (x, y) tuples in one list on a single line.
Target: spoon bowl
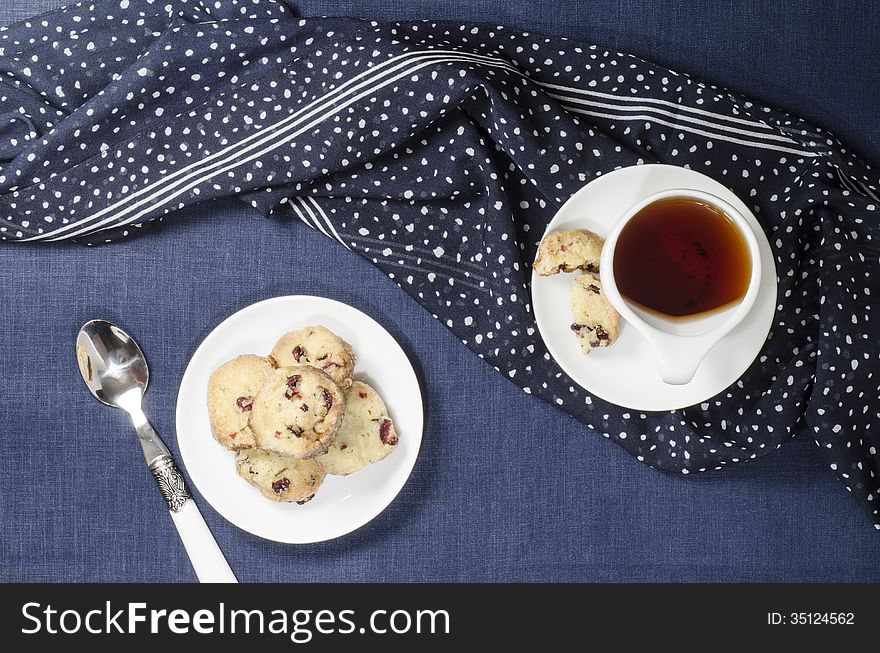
[(112, 365)]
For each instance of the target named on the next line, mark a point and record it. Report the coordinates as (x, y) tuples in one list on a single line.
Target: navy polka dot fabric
[(439, 152)]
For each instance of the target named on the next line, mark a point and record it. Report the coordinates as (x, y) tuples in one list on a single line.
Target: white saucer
[(343, 503), (626, 373)]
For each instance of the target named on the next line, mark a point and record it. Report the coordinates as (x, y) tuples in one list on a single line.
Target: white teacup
[(681, 344)]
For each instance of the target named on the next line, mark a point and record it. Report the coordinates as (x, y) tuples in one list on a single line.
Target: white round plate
[(343, 503), (626, 373)]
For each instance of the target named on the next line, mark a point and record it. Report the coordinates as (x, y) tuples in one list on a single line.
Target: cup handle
[(679, 358)]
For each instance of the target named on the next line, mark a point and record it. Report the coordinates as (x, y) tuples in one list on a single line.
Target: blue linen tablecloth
[(77, 503)]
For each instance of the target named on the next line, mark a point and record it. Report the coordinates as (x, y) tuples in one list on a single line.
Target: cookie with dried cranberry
[(319, 347), (297, 412), (596, 322), (231, 391), (568, 251), (366, 434), (280, 478)]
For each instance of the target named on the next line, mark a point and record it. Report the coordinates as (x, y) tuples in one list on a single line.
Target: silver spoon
[(116, 373)]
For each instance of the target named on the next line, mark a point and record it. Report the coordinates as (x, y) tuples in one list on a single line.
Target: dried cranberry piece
[(594, 288), (298, 352), (343, 447), (245, 404), (292, 390), (280, 485), (385, 433), (295, 431), (328, 398), (577, 327), (362, 395), (304, 408), (601, 333)]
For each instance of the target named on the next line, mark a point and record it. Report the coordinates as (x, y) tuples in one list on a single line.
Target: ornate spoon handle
[(205, 555)]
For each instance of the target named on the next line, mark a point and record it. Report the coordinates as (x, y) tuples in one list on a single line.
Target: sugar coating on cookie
[(318, 347), (297, 412), (568, 251), (367, 433), (596, 322), (278, 477), (231, 391)]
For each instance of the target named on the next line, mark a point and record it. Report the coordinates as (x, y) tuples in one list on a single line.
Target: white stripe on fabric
[(844, 180), (854, 185), (100, 226), (675, 116), (865, 188), (700, 132), (389, 261), (423, 250), (327, 220), (294, 119), (431, 260), (657, 101), (298, 212), (312, 216), (623, 98)]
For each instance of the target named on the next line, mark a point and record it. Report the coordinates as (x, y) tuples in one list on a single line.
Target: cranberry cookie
[(297, 412), (596, 323), (319, 347), (277, 477), (567, 251), (366, 434), (231, 391)]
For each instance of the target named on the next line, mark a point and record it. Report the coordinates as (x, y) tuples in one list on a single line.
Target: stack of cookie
[(297, 415), (596, 323)]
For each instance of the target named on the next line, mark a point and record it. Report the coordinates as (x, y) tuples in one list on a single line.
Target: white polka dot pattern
[(439, 152)]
